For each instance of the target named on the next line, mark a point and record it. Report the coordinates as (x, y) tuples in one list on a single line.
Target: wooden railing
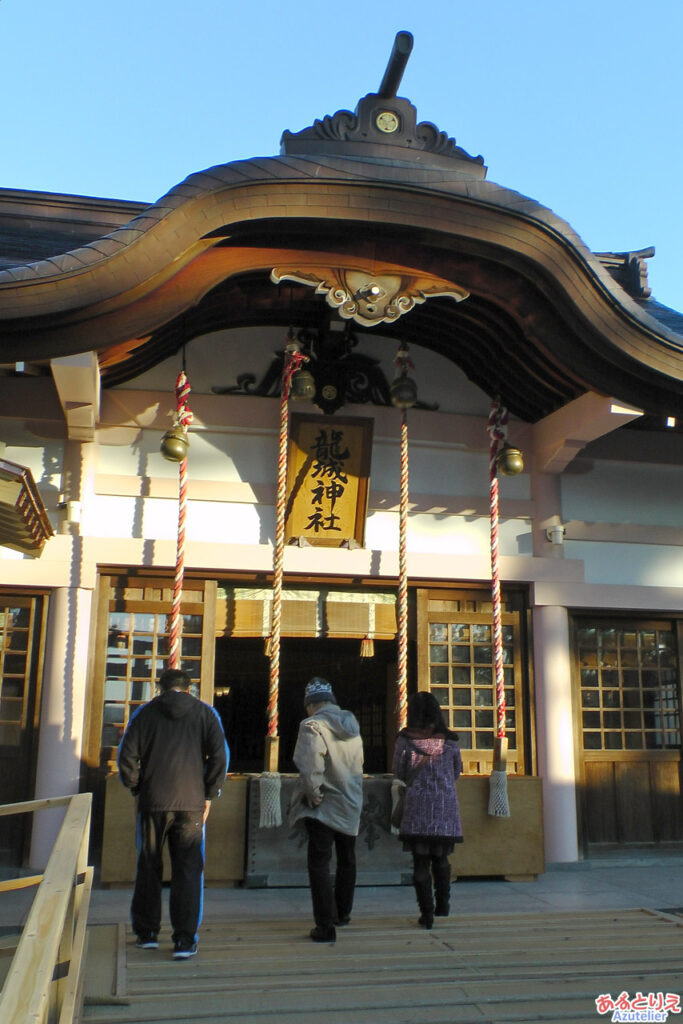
[(45, 980)]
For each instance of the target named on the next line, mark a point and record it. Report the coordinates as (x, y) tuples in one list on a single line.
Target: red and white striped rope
[(292, 361), (183, 418), (497, 429), (402, 675)]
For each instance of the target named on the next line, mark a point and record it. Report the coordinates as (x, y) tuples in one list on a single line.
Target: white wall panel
[(616, 492), (646, 565)]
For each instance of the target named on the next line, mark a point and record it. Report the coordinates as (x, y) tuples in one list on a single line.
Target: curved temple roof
[(545, 319)]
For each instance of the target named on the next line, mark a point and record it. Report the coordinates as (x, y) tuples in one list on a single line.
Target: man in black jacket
[(173, 757)]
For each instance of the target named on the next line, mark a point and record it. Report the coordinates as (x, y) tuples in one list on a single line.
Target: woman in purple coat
[(427, 758)]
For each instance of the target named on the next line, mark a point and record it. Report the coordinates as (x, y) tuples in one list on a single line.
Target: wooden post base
[(272, 755), (500, 754)]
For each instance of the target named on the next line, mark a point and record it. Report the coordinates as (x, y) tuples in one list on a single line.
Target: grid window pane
[(461, 697), (461, 676), (460, 632), (15, 661), (460, 655), (137, 650), (632, 675)]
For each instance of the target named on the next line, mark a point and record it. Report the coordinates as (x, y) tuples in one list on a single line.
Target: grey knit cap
[(318, 691)]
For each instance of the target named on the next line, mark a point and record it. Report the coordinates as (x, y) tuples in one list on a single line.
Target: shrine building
[(374, 336)]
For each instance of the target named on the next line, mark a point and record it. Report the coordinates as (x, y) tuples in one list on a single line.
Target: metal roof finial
[(403, 47)]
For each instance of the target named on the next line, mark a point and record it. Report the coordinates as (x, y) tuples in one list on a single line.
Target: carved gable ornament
[(370, 299)]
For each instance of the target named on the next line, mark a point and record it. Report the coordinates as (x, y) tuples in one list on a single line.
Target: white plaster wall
[(623, 492), (157, 519), (235, 523), (445, 535), (441, 469), (109, 516), (229, 457), (647, 565), (43, 458)]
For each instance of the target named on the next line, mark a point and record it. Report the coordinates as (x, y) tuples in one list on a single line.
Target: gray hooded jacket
[(329, 756)]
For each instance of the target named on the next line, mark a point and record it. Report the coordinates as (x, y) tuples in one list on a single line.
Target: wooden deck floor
[(480, 969)]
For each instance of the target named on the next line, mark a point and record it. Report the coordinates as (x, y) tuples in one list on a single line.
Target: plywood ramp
[(479, 969)]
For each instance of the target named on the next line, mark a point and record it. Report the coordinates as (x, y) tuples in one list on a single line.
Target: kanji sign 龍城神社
[(328, 468)]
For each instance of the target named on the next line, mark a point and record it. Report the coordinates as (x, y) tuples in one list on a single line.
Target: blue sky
[(575, 103)]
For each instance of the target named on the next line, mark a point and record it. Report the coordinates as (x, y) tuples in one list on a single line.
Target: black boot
[(442, 886), (425, 901)]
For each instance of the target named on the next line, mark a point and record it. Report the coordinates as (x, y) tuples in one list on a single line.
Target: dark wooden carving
[(341, 374)]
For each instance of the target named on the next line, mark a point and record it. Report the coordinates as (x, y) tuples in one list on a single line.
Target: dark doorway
[(365, 686)]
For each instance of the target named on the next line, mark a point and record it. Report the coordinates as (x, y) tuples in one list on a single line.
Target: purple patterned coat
[(433, 763)]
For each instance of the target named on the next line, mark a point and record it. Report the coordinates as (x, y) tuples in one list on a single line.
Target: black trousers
[(184, 831), (330, 902)]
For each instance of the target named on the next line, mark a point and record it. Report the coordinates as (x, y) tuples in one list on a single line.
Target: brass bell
[(403, 392), (303, 385), (509, 460), (174, 444)]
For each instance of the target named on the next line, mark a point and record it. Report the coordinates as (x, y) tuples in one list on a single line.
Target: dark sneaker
[(148, 940), (341, 922), (320, 934), (184, 950)]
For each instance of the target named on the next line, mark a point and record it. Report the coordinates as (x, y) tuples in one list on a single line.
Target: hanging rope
[(498, 802), (403, 396), (270, 784), (293, 359), (183, 418), (402, 681)]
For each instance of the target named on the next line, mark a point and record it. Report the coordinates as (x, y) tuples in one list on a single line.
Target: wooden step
[(488, 969)]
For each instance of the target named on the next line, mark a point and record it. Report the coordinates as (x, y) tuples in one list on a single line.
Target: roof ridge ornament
[(381, 119)]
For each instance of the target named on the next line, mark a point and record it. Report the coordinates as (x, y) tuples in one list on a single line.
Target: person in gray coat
[(329, 798)]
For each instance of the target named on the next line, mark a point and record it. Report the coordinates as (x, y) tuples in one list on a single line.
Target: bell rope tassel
[(270, 788), (367, 647)]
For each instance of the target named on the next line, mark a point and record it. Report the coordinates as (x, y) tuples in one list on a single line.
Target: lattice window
[(461, 677), (455, 662), (16, 639), (629, 687), (137, 648)]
